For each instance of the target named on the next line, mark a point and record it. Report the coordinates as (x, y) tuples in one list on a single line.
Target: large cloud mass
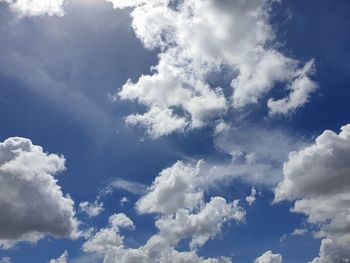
[(318, 178), (197, 39), (31, 203)]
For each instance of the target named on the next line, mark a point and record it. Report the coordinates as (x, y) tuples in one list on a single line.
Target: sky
[(174, 131)]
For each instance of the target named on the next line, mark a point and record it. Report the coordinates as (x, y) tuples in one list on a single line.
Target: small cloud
[(299, 232), (91, 209), (252, 197), (124, 200), (132, 187)]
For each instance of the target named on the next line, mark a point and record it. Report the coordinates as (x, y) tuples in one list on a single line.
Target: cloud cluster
[(25, 8), (31, 203), (184, 216), (317, 177), (197, 39)]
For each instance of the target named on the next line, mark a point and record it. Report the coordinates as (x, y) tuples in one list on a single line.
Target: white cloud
[(62, 259), (133, 187), (317, 177), (91, 209), (299, 232), (36, 7), (200, 226), (184, 216), (179, 182), (300, 91), (269, 257), (124, 200), (195, 39), (108, 238), (32, 204), (252, 197)]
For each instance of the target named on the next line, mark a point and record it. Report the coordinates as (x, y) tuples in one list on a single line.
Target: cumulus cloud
[(317, 177), (91, 209), (180, 182), (108, 238), (184, 216), (62, 259), (269, 257), (32, 204), (36, 7), (196, 39)]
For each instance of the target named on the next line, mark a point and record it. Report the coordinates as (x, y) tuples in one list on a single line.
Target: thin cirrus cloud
[(193, 44)]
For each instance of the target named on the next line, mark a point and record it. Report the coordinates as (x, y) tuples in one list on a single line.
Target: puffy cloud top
[(269, 257), (318, 178), (31, 203)]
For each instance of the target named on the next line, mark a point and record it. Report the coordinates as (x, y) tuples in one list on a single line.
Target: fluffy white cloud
[(107, 239), (91, 209), (133, 187), (31, 203), (36, 7), (62, 259), (300, 91), (200, 226), (195, 40), (180, 182), (269, 257), (317, 177)]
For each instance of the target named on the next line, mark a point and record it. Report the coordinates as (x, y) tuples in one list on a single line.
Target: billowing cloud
[(36, 7), (108, 238), (184, 216), (62, 259), (317, 177), (269, 257), (196, 39), (180, 182), (31, 203), (91, 209)]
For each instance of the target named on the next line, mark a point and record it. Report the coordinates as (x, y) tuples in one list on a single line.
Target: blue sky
[(224, 82)]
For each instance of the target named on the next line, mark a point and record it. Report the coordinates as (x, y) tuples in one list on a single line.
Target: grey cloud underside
[(32, 205)]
